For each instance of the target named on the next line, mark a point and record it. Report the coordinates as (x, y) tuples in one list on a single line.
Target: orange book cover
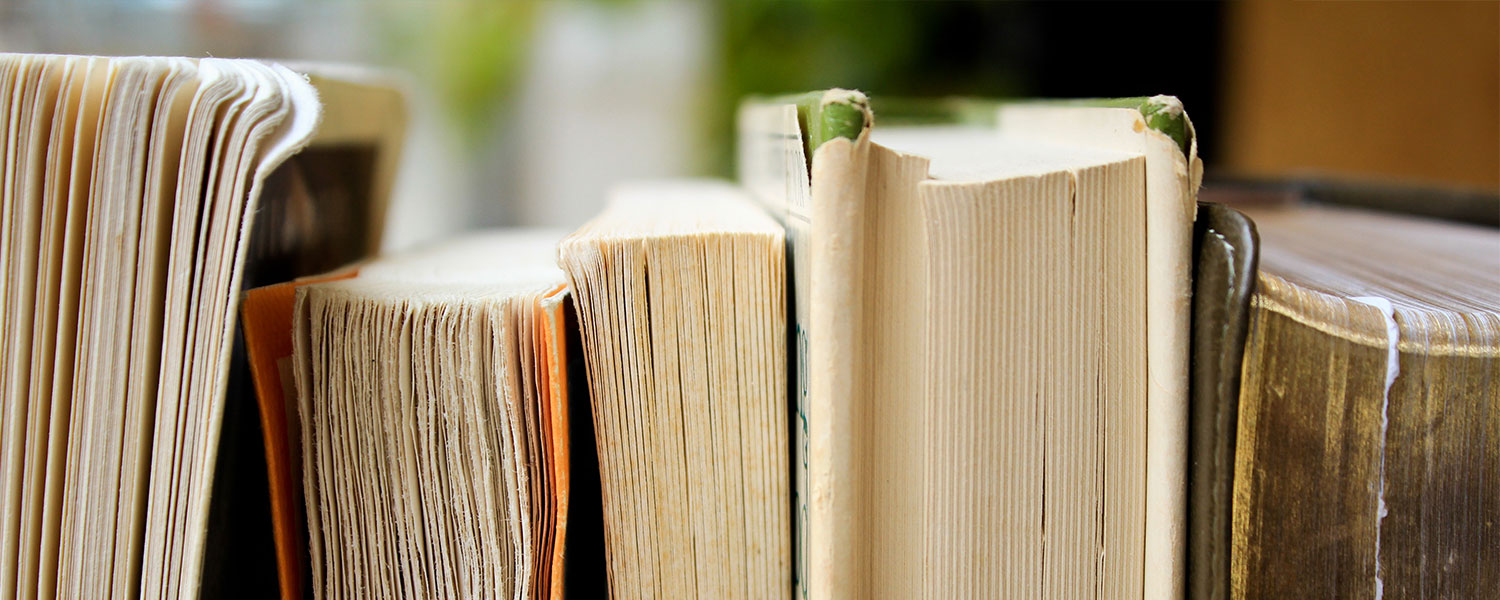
[(553, 342), (267, 322), (268, 315)]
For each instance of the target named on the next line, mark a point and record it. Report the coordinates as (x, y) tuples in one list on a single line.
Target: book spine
[(1171, 190), (778, 138)]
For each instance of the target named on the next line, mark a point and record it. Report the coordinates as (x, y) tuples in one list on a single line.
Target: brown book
[(1365, 454), (1224, 247)]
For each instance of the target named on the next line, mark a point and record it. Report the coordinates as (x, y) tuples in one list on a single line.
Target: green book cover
[(839, 113)]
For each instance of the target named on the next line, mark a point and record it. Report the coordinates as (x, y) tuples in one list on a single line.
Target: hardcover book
[(991, 382), (1347, 360)]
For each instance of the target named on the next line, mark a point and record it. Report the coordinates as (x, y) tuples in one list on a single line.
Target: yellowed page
[(681, 289), (1172, 179)]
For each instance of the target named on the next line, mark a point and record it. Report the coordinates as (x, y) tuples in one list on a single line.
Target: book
[(137, 200), (434, 419), (990, 373), (680, 289), (1223, 278), (997, 349), (1360, 407), (267, 316)]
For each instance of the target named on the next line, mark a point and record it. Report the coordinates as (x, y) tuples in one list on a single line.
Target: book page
[(773, 167), (36, 84), (1172, 179), (425, 399), (681, 289)]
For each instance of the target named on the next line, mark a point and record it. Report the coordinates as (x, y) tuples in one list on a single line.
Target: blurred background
[(524, 112)]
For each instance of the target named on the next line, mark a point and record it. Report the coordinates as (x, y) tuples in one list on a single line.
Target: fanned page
[(434, 425), (1369, 409), (976, 346), (128, 182), (320, 210), (681, 300)]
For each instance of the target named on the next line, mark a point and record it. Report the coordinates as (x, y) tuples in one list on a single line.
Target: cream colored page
[(33, 372), (506, 358), (420, 474), (14, 74), (216, 100), (985, 397), (105, 442), (595, 322), (679, 289), (837, 566), (864, 345), (279, 129), (264, 107), (1036, 398), (23, 421), (892, 346), (29, 122), (136, 319), (869, 360), (1171, 190), (417, 475), (26, 423), (93, 85), (175, 462), (773, 168), (676, 292)]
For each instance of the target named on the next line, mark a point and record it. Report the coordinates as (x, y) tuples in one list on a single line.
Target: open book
[(433, 422), (139, 195), (991, 374)]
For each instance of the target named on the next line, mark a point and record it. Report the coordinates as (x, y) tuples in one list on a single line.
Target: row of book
[(994, 349)]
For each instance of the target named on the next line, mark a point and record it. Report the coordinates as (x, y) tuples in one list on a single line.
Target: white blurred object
[(431, 198), (612, 92)]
